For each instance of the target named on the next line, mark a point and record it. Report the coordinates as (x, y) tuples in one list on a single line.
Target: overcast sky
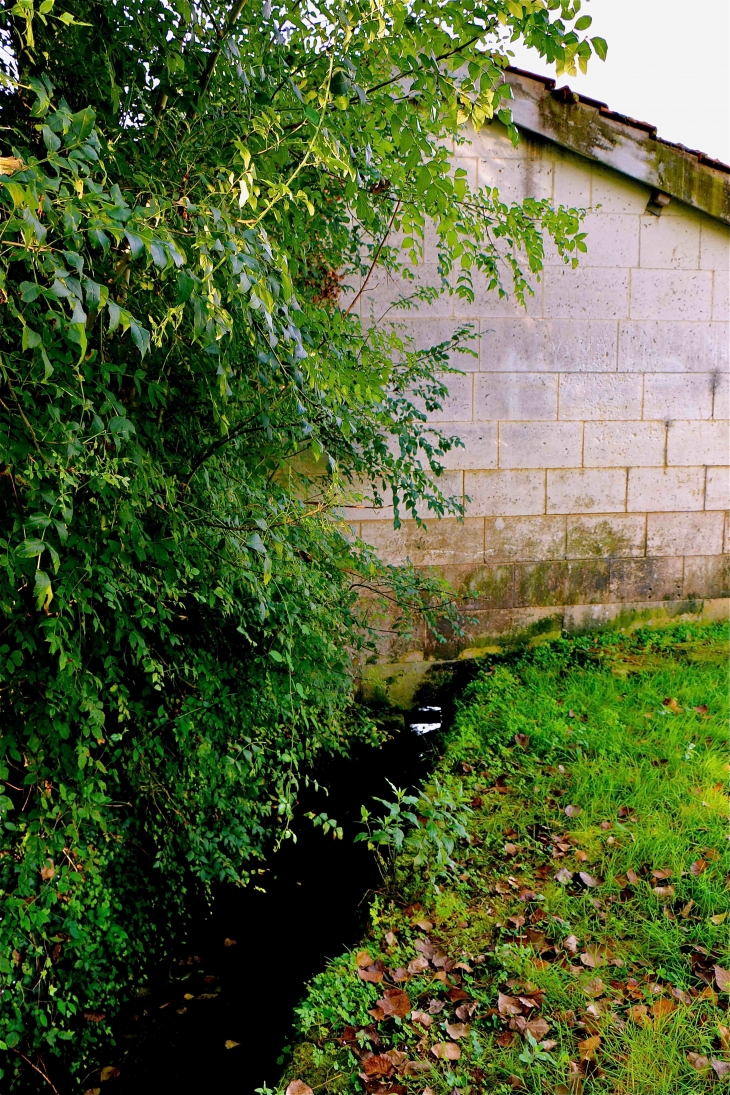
[(668, 63)]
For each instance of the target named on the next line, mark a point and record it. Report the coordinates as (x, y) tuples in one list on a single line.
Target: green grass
[(631, 731)]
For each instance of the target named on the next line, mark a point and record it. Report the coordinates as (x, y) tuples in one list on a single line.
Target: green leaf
[(256, 543), (584, 22), (50, 140), (82, 123), (601, 47), (42, 589), (30, 548), (29, 291), (140, 336), (31, 338), (136, 245), (185, 286), (276, 656)]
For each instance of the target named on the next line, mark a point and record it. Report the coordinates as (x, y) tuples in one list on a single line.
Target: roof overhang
[(592, 130)]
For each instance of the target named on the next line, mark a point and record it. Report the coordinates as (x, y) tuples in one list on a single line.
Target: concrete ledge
[(397, 682)]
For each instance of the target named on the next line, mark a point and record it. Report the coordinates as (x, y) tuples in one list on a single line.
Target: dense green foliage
[(579, 942), (184, 410)]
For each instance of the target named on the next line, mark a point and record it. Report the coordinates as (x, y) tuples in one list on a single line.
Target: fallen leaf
[(422, 1017), (592, 957), (722, 1068), (373, 973), (573, 811), (109, 1072), (93, 1091), (663, 891), (95, 1016), (188, 996), (639, 1012), (698, 1061), (446, 1051), (230, 1044), (672, 705), (723, 1034), (722, 979), (718, 918), (511, 849), (701, 709), (182, 1011), (508, 1005), (9, 164), (457, 1030), (589, 880), (424, 925), (698, 867), (48, 870), (465, 1011), (395, 1002), (632, 877), (662, 873), (662, 1008), (418, 965), (377, 1066), (687, 909), (207, 996), (589, 1047), (580, 855), (399, 975), (538, 1028), (595, 987), (390, 939), (428, 1091), (571, 944), (522, 740), (415, 1068), (363, 959), (435, 1007), (230, 942), (296, 1087), (564, 876)]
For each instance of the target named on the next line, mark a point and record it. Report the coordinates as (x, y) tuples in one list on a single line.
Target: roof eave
[(592, 130)]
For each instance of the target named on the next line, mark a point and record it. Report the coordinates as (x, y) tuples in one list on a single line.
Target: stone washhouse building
[(595, 422)]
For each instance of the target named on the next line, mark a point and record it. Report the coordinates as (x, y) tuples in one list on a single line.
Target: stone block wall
[(595, 421)]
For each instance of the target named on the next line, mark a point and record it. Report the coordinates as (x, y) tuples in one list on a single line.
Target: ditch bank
[(219, 1016)]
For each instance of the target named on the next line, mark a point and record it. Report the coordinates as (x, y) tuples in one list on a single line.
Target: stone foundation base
[(396, 682)]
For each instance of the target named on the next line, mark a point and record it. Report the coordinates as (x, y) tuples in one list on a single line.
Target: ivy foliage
[(188, 405)]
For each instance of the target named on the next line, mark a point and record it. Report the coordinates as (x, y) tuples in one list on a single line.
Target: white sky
[(668, 63)]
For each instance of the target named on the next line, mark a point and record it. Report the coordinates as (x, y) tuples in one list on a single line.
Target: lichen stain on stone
[(601, 542)]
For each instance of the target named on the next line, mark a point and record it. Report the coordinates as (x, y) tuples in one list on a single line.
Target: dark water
[(313, 908)]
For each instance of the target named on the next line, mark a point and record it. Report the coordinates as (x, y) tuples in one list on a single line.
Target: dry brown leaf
[(297, 1087), (422, 1017), (511, 849), (589, 880), (465, 1011), (721, 1068), (672, 704), (538, 1028), (564, 876), (395, 1002), (428, 1091), (718, 918), (639, 1012), (595, 987), (390, 939), (363, 959), (632, 877), (589, 1047), (230, 942), (446, 1051), (418, 965), (570, 943), (662, 873), (662, 1008), (188, 996), (377, 1066), (722, 979), (573, 811), (508, 1005), (95, 1016), (207, 996), (698, 1061), (723, 1034), (458, 1030), (701, 709), (424, 925), (663, 891), (109, 1072), (9, 165), (230, 1044)]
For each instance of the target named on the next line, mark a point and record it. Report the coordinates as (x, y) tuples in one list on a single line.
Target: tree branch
[(379, 248), (216, 52)]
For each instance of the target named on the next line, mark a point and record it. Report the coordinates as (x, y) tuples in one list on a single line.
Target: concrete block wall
[(596, 467)]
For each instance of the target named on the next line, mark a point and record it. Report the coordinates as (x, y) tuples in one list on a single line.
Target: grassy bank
[(573, 942)]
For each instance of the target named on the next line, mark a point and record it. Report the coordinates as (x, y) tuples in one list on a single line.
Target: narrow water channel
[(245, 965)]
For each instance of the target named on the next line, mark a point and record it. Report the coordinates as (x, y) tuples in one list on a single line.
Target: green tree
[(185, 408)]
